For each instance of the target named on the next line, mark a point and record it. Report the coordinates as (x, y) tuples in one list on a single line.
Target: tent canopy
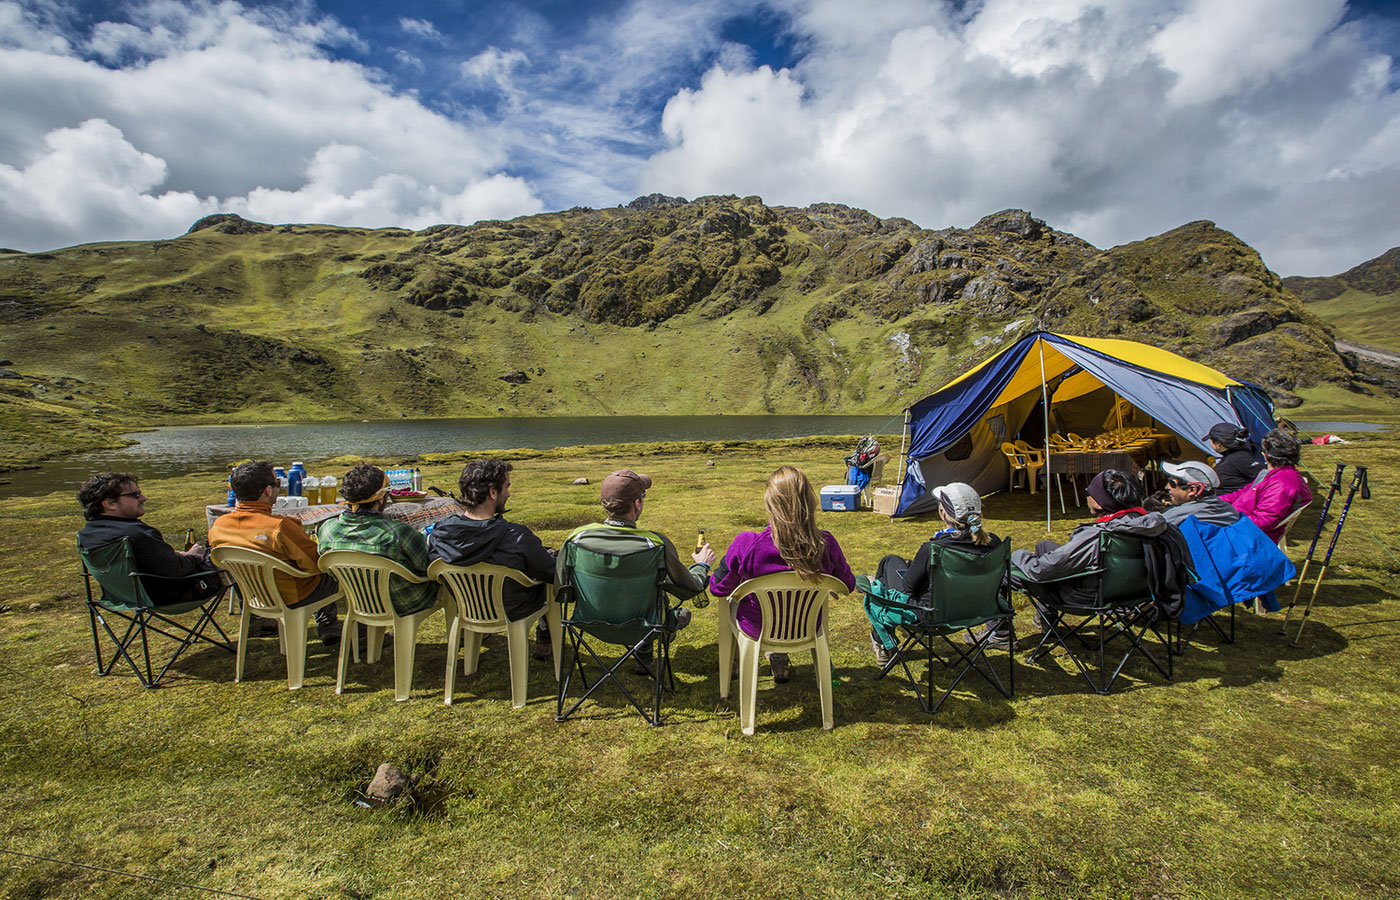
[(956, 432)]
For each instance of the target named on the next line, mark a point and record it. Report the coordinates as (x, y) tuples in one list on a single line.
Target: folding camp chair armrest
[(895, 604), (1073, 576), (193, 575)]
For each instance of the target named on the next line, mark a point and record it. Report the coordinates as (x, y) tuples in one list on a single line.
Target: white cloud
[(232, 108), (1117, 121), (420, 28)]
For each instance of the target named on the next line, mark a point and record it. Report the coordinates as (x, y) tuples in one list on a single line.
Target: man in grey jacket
[(1116, 498), (1192, 486)]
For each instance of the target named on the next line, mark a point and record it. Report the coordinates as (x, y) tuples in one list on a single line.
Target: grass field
[(1362, 317), (1263, 771)]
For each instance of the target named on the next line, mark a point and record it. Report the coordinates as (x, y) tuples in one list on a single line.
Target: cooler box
[(886, 499), (840, 498)]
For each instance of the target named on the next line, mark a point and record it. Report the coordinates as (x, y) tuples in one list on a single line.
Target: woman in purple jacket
[(791, 543), (1279, 491)]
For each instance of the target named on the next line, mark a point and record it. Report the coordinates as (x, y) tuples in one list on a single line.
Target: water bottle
[(232, 497), (417, 479), (311, 489), (281, 475), (295, 477)]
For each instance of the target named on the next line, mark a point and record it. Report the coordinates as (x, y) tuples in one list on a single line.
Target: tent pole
[(1045, 409), (903, 442)]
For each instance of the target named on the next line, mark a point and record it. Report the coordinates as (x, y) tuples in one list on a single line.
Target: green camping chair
[(123, 595), (967, 590), (1124, 606), (611, 591)]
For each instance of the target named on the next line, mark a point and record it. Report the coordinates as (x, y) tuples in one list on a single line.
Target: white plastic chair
[(255, 574), (478, 610), (792, 609), (364, 579)]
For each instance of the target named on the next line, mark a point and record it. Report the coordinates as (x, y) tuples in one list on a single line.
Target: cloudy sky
[(1112, 119)]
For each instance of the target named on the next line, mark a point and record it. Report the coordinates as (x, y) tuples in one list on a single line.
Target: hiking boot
[(778, 664), (682, 618), (541, 649), (641, 665), (994, 641), (883, 654), (329, 633), (260, 627)]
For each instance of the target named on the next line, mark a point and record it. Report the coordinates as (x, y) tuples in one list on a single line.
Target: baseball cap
[(624, 486), (1224, 432), (959, 499), (1193, 472)]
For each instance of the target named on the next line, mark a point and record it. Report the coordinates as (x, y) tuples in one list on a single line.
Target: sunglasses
[(1178, 484), (137, 494)]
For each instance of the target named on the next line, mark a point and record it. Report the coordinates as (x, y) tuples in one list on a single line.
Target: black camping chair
[(124, 595), (967, 590), (610, 591), (1123, 606)]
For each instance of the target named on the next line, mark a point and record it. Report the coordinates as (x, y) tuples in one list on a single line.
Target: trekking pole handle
[(1326, 505), (1357, 480), (1365, 483)]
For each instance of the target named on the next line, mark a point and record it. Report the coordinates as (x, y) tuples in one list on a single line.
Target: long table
[(419, 514)]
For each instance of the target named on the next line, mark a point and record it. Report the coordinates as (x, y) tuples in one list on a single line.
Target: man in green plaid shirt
[(363, 527)]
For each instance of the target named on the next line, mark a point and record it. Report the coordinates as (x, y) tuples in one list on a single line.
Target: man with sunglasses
[(1191, 486), (113, 505)]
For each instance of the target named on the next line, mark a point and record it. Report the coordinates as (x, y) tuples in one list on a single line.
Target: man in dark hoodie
[(113, 505), (482, 535)]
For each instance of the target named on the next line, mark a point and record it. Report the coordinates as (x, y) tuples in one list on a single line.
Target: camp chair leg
[(822, 656), (454, 637), (293, 634), (244, 618), (726, 646), (556, 639), (374, 643), (471, 652), (518, 648), (748, 685), (404, 655), (348, 636)]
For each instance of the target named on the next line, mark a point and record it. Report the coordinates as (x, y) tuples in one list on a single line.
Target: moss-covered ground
[(1264, 770)]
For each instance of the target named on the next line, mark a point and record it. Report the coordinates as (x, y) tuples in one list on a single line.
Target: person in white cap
[(960, 507), (1191, 485)]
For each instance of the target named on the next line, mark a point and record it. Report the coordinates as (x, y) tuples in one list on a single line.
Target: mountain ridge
[(664, 305)]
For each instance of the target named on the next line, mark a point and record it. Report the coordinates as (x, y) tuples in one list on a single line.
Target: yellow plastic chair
[(254, 572), (364, 578), (792, 610), (477, 592), (1021, 461)]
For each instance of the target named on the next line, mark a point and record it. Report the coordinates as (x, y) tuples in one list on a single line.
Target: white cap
[(1193, 472), (959, 499)]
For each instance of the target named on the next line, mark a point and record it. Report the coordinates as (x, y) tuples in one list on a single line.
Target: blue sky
[(1277, 119)]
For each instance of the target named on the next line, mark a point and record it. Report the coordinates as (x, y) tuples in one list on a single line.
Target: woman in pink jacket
[(1279, 491)]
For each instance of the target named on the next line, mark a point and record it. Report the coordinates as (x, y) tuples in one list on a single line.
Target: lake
[(181, 450)]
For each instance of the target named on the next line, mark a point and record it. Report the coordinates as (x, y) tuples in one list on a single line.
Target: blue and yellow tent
[(955, 433)]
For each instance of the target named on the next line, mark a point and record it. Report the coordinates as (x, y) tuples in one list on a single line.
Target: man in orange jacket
[(252, 525)]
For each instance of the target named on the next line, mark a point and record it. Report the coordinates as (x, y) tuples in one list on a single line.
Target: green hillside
[(722, 304), (1362, 304)]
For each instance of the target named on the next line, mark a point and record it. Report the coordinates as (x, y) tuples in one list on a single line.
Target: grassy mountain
[(1362, 304), (722, 304)]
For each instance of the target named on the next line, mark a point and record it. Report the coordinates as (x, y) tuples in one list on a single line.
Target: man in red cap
[(623, 495)]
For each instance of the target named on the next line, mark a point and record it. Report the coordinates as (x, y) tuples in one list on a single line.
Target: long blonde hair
[(792, 513)]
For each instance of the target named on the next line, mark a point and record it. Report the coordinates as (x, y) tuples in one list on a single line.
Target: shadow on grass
[(1257, 655)]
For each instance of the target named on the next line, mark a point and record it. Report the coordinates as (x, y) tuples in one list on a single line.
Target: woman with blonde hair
[(791, 543)]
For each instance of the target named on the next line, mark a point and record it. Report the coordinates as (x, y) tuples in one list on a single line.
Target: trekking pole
[(1321, 520), (1357, 481)]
